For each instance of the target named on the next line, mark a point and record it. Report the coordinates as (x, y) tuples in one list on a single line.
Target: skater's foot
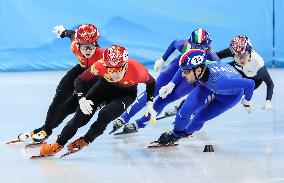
[(130, 128), (50, 149), (27, 136), (117, 124), (40, 136), (77, 145)]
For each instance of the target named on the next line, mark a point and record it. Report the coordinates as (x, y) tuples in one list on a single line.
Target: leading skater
[(220, 88), (117, 88), (85, 47)]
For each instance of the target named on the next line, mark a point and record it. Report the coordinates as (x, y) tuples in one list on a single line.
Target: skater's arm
[(62, 32), (212, 56), (176, 44), (177, 77), (225, 53), (150, 88), (81, 80), (79, 87), (68, 33), (263, 73), (237, 83)]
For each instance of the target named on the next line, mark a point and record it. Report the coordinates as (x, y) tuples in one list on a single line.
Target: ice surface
[(248, 147)]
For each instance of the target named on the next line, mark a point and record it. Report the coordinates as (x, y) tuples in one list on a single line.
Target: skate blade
[(40, 156), (112, 132), (155, 144), (35, 144), (162, 117), (67, 154), (189, 136), (14, 141), (122, 133), (119, 133), (165, 116)]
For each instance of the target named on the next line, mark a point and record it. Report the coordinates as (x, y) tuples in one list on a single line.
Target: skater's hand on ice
[(86, 106), (58, 29), (159, 65), (166, 90), (247, 105), (151, 110), (267, 105)]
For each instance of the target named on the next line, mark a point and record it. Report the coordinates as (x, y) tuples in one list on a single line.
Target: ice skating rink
[(248, 147)]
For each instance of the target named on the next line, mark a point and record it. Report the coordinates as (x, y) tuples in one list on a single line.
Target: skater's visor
[(86, 47), (240, 56), (201, 47), (115, 69)]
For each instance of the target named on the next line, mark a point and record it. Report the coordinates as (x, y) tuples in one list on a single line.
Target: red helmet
[(115, 56), (240, 44), (87, 34)]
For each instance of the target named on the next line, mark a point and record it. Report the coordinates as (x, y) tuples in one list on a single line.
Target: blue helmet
[(199, 39), (191, 59)]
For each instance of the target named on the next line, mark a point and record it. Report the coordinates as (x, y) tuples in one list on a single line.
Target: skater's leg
[(72, 126), (69, 108), (111, 111), (67, 133), (98, 95), (180, 90), (218, 106), (45, 131), (64, 90), (195, 101)]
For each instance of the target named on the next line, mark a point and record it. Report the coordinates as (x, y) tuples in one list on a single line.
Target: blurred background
[(144, 27)]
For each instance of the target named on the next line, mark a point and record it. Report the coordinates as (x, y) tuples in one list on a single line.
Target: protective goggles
[(240, 56), (201, 47), (87, 47), (115, 69)]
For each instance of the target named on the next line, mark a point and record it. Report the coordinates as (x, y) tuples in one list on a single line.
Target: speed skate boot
[(76, 146), (130, 128), (173, 111), (165, 140), (40, 136), (117, 124), (50, 149), (24, 137)]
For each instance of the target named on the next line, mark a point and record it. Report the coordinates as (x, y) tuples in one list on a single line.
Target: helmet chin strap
[(201, 73), (195, 77)]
